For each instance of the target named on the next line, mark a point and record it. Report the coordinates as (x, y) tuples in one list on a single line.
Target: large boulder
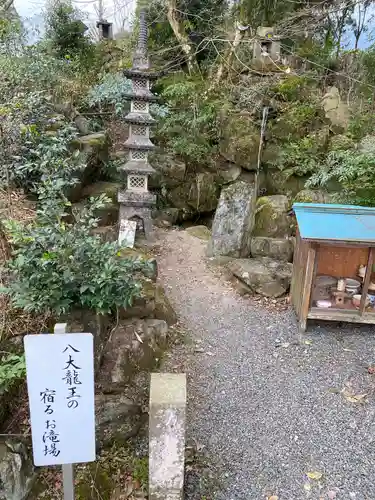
[(153, 303), (135, 345), (239, 142), (234, 221), (165, 217), (17, 472), (279, 182), (169, 171), (336, 111), (272, 219), (264, 276), (341, 142), (313, 196), (200, 232), (198, 194), (275, 248), (367, 144), (117, 419)]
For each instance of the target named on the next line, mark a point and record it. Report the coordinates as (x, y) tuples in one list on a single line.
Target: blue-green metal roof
[(318, 221)]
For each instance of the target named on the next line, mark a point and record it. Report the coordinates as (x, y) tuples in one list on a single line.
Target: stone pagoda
[(135, 200)]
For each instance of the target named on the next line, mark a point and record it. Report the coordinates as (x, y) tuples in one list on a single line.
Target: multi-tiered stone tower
[(135, 200)]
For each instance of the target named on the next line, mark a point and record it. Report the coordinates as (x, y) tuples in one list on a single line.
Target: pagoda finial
[(140, 59), (143, 35)]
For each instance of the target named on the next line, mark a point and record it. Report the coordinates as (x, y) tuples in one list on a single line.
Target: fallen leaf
[(138, 338), (307, 487), (274, 497), (332, 495), (314, 475), (308, 342), (354, 398)]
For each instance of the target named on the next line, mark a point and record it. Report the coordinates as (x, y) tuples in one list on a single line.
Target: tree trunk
[(181, 36), (228, 56)]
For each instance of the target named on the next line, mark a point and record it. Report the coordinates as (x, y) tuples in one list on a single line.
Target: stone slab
[(167, 436)]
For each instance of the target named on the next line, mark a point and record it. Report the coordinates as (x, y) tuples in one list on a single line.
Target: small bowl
[(351, 283), (323, 304)]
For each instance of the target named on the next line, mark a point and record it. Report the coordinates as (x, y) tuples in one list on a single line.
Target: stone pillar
[(167, 436), (135, 199)]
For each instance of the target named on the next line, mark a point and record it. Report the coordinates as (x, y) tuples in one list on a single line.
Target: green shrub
[(66, 31), (12, 368), (190, 129), (290, 88), (299, 157), (58, 265), (353, 170)]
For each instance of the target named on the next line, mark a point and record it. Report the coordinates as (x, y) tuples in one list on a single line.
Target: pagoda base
[(133, 212), (136, 199)]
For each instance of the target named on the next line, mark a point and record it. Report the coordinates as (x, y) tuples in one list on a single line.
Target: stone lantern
[(136, 202)]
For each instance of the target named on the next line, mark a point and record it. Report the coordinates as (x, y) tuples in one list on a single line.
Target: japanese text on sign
[(60, 380)]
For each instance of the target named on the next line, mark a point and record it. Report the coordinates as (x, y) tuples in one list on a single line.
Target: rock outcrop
[(336, 111), (263, 275), (233, 222), (135, 345), (272, 219), (117, 419), (240, 141), (276, 248), (17, 472)]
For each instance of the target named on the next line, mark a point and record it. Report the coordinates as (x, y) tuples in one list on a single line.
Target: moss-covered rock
[(146, 258), (201, 232), (108, 188), (336, 111), (272, 219), (197, 195), (92, 142), (169, 171), (341, 142), (240, 141), (279, 182), (312, 196)]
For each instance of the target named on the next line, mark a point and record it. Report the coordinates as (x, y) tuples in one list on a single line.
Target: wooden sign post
[(60, 385)]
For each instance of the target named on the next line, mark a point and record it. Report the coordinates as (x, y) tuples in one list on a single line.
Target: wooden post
[(67, 469), (366, 281), (307, 286)]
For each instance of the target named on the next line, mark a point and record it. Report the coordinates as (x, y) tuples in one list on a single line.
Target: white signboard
[(127, 231), (60, 384)]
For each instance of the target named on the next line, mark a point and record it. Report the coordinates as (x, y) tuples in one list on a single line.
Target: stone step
[(167, 436)]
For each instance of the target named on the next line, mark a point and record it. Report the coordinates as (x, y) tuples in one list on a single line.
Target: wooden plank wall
[(299, 271), (340, 262)]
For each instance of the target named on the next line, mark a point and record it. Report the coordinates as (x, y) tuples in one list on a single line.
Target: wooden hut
[(333, 268)]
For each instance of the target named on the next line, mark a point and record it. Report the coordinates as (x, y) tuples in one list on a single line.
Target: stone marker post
[(167, 436)]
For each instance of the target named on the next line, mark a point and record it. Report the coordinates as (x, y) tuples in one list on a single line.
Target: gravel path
[(269, 411)]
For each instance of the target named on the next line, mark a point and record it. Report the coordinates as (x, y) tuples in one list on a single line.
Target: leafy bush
[(353, 170), (290, 88), (33, 152), (299, 157), (58, 265), (190, 129), (111, 91), (361, 124), (12, 368), (66, 31)]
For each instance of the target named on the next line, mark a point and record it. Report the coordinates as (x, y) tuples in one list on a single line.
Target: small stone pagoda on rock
[(136, 202)]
